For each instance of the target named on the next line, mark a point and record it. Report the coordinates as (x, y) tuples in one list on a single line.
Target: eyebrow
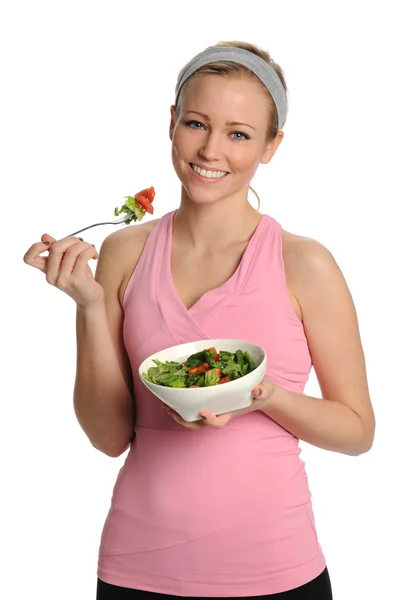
[(230, 123)]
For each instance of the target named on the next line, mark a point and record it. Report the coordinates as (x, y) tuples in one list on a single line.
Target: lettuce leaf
[(196, 379), (194, 360), (211, 377), (249, 361), (169, 374), (131, 206), (173, 374), (232, 370)]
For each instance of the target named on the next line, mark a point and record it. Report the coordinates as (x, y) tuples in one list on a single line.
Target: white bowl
[(217, 399)]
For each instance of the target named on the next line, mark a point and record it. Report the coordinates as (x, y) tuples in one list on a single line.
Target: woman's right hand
[(66, 267)]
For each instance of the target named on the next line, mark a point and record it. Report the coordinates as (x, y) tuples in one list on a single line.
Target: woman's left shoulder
[(306, 258)]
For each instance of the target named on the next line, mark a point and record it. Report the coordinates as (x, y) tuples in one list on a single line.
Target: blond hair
[(228, 68)]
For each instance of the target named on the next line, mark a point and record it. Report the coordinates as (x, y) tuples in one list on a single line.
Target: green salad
[(136, 206), (130, 207), (202, 369)]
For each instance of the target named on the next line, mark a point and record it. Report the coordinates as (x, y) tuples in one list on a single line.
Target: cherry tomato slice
[(148, 193), (144, 203), (216, 355)]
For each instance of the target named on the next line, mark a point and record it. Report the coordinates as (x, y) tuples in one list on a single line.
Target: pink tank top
[(212, 512)]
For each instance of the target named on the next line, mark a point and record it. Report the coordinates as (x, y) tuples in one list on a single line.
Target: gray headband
[(242, 57)]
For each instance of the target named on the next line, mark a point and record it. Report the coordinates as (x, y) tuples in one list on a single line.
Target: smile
[(208, 174)]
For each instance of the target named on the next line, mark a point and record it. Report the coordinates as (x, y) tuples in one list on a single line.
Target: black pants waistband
[(317, 589)]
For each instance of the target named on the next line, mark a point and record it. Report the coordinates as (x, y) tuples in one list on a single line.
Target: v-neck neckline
[(226, 284)]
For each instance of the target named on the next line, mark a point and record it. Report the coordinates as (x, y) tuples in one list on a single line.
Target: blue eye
[(193, 124), (239, 139), (198, 125)]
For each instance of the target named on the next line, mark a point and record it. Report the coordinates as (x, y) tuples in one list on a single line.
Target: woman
[(220, 507)]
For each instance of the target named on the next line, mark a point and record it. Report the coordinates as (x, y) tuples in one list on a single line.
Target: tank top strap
[(263, 260), (265, 276), (144, 275)]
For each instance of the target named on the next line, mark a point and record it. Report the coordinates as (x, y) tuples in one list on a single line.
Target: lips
[(207, 168), (206, 173)]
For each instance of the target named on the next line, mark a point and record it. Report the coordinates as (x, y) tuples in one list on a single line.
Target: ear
[(172, 122), (271, 148)]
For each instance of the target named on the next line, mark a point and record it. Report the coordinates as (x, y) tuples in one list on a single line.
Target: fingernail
[(47, 243), (80, 239), (93, 245), (203, 417)]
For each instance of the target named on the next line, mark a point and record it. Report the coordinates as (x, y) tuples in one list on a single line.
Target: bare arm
[(103, 386), (103, 395), (343, 420), (103, 402)]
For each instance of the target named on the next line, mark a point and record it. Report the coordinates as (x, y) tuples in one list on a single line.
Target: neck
[(214, 225)]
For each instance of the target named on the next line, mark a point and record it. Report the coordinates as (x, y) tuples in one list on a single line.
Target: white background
[(85, 94)]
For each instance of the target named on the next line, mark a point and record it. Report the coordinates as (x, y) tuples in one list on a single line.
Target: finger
[(81, 263), (177, 417), (188, 424), (264, 389), (48, 238), (205, 416), (72, 255), (211, 420), (192, 424), (32, 256), (56, 254), (257, 392)]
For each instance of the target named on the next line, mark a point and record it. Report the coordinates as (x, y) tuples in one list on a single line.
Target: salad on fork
[(134, 209), (137, 206)]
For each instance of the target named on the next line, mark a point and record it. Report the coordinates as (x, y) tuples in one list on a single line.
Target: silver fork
[(116, 222)]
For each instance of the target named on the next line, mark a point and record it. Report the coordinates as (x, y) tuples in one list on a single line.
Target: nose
[(210, 150)]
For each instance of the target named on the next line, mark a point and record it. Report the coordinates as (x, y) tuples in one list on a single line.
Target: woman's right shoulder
[(130, 236), (121, 250)]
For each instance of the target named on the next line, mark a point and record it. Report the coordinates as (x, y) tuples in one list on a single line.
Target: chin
[(198, 197), (202, 198)]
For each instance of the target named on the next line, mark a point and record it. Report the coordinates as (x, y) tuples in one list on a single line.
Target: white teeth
[(209, 174)]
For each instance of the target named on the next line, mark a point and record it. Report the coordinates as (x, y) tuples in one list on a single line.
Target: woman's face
[(219, 138)]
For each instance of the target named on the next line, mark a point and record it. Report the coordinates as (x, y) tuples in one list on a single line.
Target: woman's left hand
[(261, 393)]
